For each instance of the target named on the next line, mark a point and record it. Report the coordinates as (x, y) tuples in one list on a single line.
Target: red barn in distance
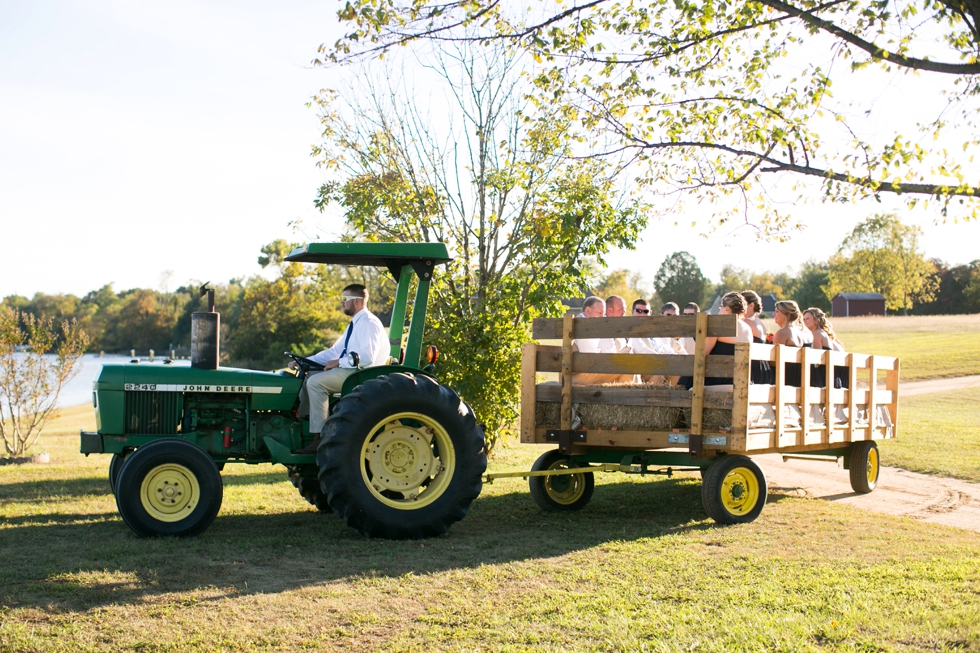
[(852, 304)]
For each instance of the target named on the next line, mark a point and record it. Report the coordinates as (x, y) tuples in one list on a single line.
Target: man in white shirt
[(366, 336), (595, 307)]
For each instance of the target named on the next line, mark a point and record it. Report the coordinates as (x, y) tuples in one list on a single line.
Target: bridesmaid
[(762, 372), (792, 334), (825, 338)]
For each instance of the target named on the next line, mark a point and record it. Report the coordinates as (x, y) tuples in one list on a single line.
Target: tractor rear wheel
[(169, 487), (402, 457), (562, 492), (734, 490)]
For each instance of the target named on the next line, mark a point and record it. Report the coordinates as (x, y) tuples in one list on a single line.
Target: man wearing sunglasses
[(365, 335)]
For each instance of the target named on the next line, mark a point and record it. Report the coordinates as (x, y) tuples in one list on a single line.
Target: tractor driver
[(365, 335)]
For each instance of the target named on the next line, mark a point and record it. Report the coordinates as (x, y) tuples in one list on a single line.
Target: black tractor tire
[(562, 493), (733, 490), (115, 465), (402, 457), (169, 487), (864, 466), (309, 489)]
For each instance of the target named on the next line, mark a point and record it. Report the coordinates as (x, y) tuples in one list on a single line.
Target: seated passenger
[(762, 372), (731, 304), (595, 307), (641, 308), (792, 334), (825, 338)]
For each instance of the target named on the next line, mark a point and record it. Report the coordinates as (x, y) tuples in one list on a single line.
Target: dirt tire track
[(935, 499)]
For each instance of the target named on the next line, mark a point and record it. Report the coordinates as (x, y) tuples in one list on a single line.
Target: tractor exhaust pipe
[(204, 334)]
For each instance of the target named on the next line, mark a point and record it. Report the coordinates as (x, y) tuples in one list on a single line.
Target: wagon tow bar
[(605, 467)]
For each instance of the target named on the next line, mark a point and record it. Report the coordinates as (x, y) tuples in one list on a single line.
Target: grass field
[(641, 568), (939, 433)]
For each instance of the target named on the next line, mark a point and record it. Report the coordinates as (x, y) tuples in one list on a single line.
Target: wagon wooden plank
[(549, 360), (527, 391)]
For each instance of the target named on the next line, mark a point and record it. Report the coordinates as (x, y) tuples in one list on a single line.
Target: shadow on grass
[(59, 489), (50, 566)]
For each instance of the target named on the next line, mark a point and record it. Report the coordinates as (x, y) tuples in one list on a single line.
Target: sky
[(138, 139)]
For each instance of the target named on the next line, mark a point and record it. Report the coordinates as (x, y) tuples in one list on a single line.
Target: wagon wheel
[(401, 457), (562, 492), (169, 487), (734, 490), (864, 467)]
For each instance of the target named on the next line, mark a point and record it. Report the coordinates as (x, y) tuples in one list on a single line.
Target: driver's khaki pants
[(314, 397)]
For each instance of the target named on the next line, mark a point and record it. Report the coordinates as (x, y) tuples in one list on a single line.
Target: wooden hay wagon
[(644, 428)]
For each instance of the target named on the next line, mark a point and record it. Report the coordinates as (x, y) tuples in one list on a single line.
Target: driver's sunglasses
[(347, 298), (642, 311)]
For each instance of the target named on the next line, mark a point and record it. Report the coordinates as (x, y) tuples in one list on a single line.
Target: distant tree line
[(880, 255), (298, 310)]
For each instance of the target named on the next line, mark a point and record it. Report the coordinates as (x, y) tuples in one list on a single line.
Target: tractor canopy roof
[(394, 256), (372, 254)]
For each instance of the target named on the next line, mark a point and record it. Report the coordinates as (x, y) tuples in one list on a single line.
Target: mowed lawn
[(930, 347), (641, 568), (939, 433)]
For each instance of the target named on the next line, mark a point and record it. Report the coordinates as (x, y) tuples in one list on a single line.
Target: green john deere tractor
[(401, 456)]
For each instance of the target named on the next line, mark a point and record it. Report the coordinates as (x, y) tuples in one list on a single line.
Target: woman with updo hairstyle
[(824, 338), (792, 334), (731, 304), (762, 372)]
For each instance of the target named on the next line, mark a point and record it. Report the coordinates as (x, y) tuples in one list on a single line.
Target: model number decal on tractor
[(161, 387)]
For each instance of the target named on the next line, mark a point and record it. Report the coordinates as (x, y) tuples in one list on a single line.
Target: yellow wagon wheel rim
[(564, 489), (407, 461), (872, 470), (740, 491), (170, 492)]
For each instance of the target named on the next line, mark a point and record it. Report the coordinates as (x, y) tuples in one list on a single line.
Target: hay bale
[(606, 416), (711, 418)]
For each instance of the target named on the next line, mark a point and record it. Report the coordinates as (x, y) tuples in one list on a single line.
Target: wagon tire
[(169, 487), (401, 457), (560, 493), (865, 466), (734, 490)]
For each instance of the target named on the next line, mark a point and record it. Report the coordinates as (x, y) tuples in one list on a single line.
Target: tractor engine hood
[(267, 390)]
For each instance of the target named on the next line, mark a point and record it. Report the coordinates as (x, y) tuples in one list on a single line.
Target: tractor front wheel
[(170, 487), (561, 492), (402, 457)]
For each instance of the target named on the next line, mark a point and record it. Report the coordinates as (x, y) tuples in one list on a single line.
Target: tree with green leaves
[(30, 382), (720, 101), (624, 283), (519, 215), (809, 287), (882, 255), (680, 280)]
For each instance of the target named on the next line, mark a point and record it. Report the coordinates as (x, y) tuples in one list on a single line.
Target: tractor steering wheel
[(304, 365)]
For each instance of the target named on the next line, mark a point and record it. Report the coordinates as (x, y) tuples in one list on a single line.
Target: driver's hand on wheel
[(293, 365)]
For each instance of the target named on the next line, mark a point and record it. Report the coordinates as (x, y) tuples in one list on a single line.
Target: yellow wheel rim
[(170, 492), (407, 461), (740, 491), (565, 489), (872, 470)]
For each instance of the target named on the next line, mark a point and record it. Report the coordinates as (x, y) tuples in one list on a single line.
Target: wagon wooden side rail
[(637, 425)]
